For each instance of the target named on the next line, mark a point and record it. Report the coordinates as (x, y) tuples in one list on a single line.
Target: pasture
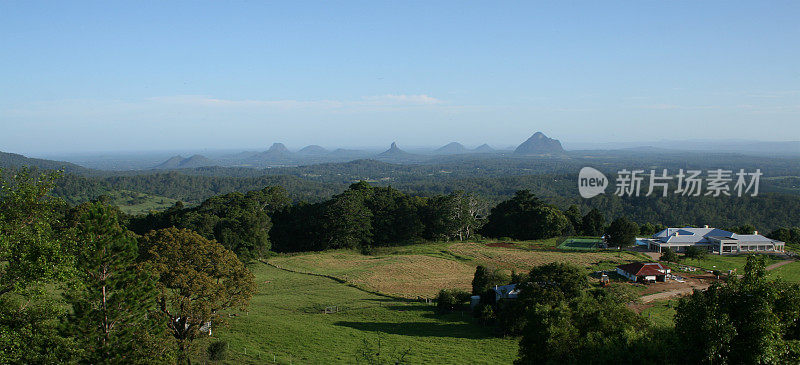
[(725, 262), (422, 270), (286, 322), (133, 202), (788, 272)]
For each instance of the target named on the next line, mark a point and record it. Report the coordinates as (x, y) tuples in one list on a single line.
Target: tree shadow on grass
[(422, 329)]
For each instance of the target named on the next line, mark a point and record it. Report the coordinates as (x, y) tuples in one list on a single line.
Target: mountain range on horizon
[(278, 154)]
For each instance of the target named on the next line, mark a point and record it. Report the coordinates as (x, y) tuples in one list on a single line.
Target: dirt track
[(778, 264), (688, 290), (672, 293)]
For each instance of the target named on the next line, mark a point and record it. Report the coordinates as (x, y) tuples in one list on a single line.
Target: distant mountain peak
[(278, 148), (313, 150), (539, 143), (484, 148), (452, 148), (393, 150)]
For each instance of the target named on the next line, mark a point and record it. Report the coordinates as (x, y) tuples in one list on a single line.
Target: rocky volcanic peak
[(393, 150), (539, 144), (278, 148)]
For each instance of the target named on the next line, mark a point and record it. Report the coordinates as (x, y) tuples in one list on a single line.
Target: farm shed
[(644, 271)]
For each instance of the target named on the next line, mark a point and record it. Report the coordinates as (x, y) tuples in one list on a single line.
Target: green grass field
[(788, 272), (662, 313), (133, 202), (286, 321), (725, 262)]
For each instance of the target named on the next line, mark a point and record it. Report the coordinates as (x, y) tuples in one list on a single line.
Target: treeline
[(188, 188), (76, 286), (768, 211), (365, 216), (362, 217)]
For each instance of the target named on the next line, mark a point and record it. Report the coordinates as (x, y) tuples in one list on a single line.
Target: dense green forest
[(88, 283), (767, 211), (490, 178)]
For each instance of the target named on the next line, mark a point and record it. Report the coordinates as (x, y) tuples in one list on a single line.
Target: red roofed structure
[(644, 271)]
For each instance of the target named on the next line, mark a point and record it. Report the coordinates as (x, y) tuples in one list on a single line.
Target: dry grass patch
[(427, 270), (523, 260), (401, 275)]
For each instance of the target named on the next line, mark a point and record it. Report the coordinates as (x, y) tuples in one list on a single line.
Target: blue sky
[(102, 76)]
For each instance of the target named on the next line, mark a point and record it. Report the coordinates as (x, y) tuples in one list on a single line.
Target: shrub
[(485, 279), (668, 255), (217, 350), (485, 314), (449, 299), (693, 252)]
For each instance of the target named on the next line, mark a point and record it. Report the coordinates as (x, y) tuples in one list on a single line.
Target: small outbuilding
[(644, 272)]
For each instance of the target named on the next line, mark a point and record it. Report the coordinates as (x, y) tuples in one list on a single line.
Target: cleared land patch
[(399, 275), (524, 260), (423, 271)]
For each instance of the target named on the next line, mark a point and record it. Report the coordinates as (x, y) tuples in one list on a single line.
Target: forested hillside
[(492, 179)]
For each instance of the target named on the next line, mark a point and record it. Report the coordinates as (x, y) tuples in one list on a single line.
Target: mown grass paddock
[(788, 272), (724, 263), (422, 270), (287, 320), (580, 244)]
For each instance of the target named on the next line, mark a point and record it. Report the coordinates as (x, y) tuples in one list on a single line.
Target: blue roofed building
[(712, 239)]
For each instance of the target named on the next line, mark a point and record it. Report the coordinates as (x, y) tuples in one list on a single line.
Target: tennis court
[(581, 244)]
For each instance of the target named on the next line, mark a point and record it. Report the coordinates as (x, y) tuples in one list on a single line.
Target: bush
[(217, 350), (367, 250), (668, 255), (485, 313), (693, 252), (485, 279), (449, 299)]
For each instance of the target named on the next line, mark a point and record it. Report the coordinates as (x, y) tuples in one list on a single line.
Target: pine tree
[(111, 296)]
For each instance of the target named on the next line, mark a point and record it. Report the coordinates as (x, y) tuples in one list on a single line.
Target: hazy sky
[(94, 76)]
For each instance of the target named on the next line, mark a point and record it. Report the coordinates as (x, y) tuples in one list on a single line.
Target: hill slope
[(178, 162), (14, 160)]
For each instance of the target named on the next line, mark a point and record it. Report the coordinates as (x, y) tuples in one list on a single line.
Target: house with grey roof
[(712, 239), (509, 291)]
